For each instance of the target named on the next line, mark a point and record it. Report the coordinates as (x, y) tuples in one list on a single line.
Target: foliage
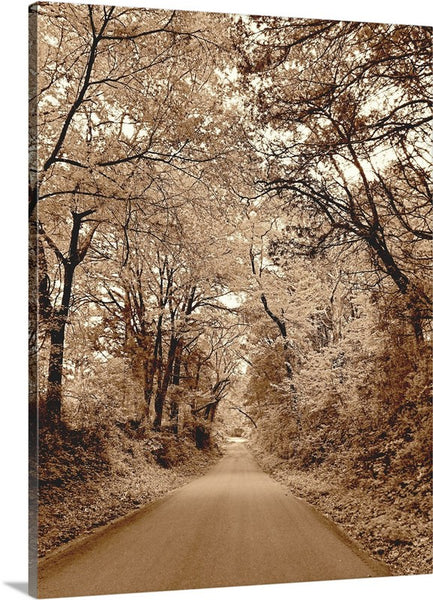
[(231, 220)]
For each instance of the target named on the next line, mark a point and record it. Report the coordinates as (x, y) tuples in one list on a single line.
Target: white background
[(13, 295)]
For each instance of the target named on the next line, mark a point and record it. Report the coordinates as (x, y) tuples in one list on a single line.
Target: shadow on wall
[(21, 586)]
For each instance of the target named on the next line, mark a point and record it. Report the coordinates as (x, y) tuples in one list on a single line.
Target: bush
[(66, 455), (170, 451), (202, 437)]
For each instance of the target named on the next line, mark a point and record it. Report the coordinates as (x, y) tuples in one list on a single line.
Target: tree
[(78, 249), (335, 149), (99, 144)]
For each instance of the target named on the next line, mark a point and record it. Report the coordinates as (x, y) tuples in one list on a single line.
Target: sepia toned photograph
[(230, 366)]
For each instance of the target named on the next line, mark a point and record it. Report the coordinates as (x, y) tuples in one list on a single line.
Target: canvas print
[(230, 299)]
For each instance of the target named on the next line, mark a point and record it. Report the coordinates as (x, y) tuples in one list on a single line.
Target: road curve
[(234, 526)]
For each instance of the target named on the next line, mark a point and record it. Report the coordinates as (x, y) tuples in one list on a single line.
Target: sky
[(13, 252)]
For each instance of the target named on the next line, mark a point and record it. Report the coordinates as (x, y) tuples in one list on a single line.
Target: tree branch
[(244, 413)]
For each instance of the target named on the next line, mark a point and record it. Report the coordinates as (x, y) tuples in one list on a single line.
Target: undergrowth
[(87, 479)]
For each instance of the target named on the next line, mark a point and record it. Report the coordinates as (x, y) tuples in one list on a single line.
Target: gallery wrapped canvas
[(230, 299)]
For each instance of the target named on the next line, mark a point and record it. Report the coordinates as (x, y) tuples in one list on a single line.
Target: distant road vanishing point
[(234, 526)]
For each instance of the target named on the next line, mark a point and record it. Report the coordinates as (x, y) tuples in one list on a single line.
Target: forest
[(230, 235)]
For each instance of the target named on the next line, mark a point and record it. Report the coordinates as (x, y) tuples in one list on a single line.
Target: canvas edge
[(32, 310)]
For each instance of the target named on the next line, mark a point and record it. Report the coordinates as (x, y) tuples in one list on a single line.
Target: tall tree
[(77, 251), (346, 121), (99, 143)]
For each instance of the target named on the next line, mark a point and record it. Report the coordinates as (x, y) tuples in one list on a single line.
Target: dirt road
[(234, 526)]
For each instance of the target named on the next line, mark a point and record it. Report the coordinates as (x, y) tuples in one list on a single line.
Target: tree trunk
[(177, 365), (380, 248), (287, 363), (55, 368), (33, 198), (151, 370), (161, 392), (57, 344), (212, 411), (174, 406), (403, 284), (60, 316)]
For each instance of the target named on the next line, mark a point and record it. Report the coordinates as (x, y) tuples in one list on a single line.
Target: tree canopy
[(232, 227)]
